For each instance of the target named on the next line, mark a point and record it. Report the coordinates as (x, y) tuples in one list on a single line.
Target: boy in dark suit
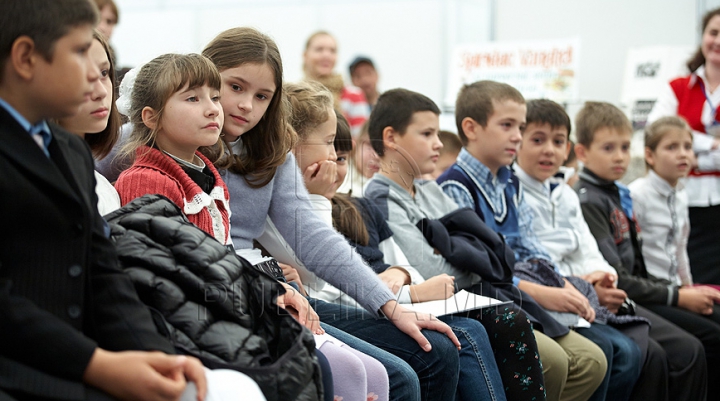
[(68, 314)]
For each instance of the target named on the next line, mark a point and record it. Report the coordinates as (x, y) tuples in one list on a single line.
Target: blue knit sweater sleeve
[(321, 249)]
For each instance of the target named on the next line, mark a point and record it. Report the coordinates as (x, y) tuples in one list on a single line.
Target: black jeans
[(703, 252)]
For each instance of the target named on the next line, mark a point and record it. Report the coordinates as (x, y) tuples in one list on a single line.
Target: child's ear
[(470, 128), (149, 117), (23, 57), (390, 138), (581, 152), (649, 157)]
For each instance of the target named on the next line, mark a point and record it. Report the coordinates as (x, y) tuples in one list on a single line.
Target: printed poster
[(538, 69)]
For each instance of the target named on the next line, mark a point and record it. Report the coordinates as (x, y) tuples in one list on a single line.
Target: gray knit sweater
[(403, 212), (325, 252)]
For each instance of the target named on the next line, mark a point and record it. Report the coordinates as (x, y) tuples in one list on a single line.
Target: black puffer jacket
[(212, 304)]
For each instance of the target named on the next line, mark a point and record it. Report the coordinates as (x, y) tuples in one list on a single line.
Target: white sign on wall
[(538, 69), (647, 71)]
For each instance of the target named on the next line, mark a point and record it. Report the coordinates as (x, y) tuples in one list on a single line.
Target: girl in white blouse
[(660, 203)]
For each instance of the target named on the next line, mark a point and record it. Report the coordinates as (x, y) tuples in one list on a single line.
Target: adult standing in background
[(364, 75), (696, 98), (109, 17), (319, 62)]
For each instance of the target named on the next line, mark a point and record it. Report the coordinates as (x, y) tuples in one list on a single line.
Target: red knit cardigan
[(154, 172)]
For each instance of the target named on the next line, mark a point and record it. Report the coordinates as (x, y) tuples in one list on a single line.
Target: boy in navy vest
[(490, 117)]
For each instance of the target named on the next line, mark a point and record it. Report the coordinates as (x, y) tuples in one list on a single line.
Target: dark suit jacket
[(62, 293)]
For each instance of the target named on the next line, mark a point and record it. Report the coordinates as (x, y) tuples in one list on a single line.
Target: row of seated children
[(561, 227), (71, 365), (185, 90), (155, 129), (406, 139), (367, 231), (608, 210), (408, 164), (560, 224), (176, 176), (191, 94)]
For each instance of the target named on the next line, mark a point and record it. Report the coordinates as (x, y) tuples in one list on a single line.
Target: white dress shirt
[(662, 214)]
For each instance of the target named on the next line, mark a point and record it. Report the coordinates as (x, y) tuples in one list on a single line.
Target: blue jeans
[(404, 384), (623, 361), (479, 376), (436, 370)]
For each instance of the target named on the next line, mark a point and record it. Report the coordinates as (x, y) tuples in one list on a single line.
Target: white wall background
[(410, 40)]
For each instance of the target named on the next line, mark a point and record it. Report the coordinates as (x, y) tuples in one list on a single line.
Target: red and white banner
[(538, 69)]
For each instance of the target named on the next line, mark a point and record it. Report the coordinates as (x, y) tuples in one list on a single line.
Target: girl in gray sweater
[(264, 181)]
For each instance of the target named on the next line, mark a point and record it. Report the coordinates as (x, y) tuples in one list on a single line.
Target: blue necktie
[(44, 137)]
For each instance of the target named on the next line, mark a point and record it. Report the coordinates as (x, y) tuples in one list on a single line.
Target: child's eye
[(262, 97), (104, 73), (625, 147), (608, 148), (192, 99), (560, 142), (236, 87), (216, 99), (537, 141), (672, 146), (341, 159)]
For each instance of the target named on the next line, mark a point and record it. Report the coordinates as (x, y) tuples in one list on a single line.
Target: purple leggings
[(356, 376)]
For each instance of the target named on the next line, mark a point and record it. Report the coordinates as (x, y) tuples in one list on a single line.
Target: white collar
[(199, 167), (661, 185), (530, 182)]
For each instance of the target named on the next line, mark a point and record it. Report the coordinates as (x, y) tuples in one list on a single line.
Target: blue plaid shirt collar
[(482, 173)]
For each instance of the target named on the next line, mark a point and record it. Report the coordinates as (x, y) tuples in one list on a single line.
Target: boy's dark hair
[(451, 142), (545, 111), (475, 100), (395, 108), (595, 116), (343, 137), (42, 21)]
